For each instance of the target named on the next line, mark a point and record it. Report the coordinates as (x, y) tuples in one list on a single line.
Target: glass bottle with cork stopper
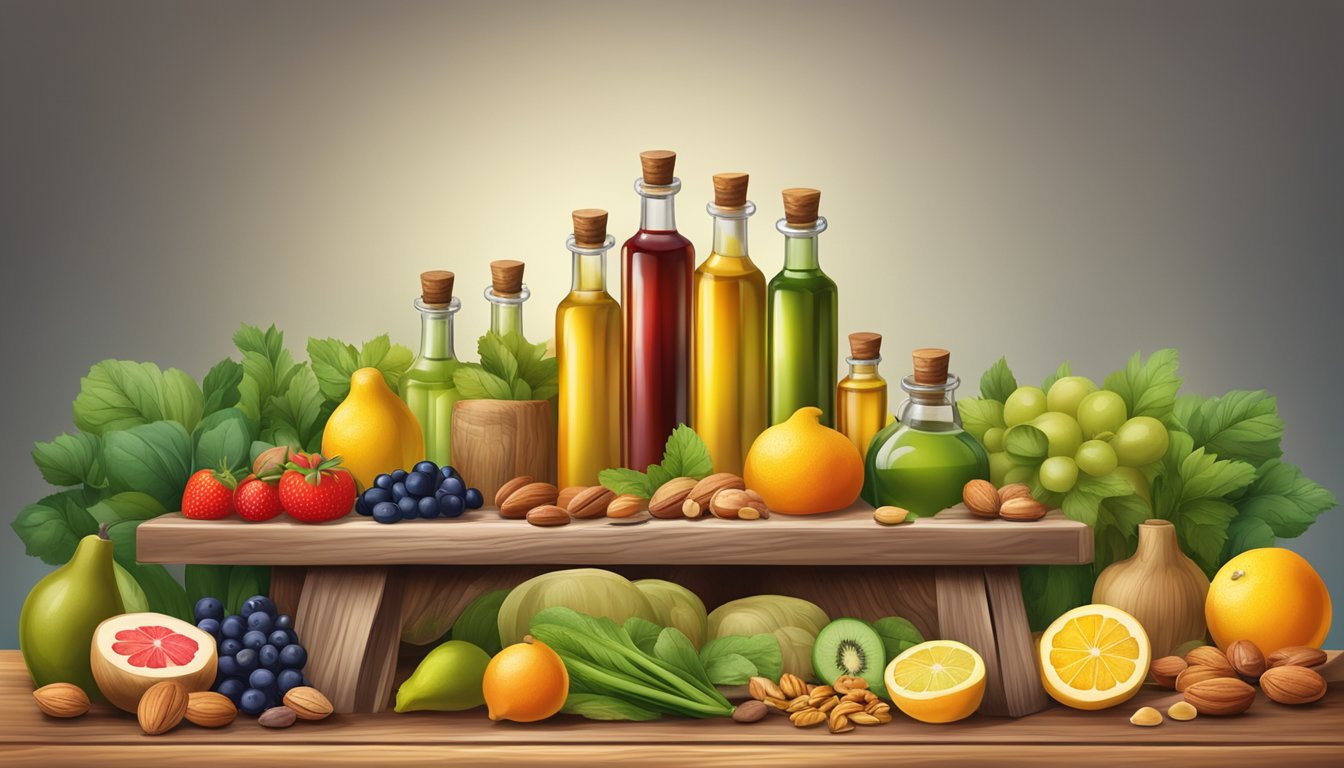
[(728, 397), (588, 349), (428, 386), (922, 461), (803, 311), (506, 295), (656, 266), (861, 397)]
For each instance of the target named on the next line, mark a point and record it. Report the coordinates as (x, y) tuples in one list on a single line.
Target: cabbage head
[(793, 621), (590, 591), (677, 606)]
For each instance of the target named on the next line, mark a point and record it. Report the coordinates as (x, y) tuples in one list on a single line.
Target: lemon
[(1270, 596), (373, 431), (939, 681), (1094, 657)]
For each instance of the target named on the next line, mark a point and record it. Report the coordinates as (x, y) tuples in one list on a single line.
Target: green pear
[(62, 611), (447, 680)]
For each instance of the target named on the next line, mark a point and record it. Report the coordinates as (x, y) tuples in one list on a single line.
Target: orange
[(1270, 596), (803, 468), (525, 682), (939, 681)]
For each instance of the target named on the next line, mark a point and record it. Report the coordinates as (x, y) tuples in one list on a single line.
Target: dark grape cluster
[(260, 658), (426, 491)]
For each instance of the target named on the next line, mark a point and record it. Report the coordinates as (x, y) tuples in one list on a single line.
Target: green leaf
[(1051, 590), (475, 383), (1117, 529), (978, 415), (220, 386), (296, 417), (1203, 476), (152, 458), (165, 595), (533, 365), (478, 623), (1201, 526), (521, 390), (52, 528), (1240, 425), (625, 481), (1284, 499), (1148, 388), (761, 652), (223, 438), (643, 633), (127, 505), (71, 460), (392, 359), (686, 455), (1246, 533), (333, 362), (117, 394), (730, 669), (207, 581), (898, 635), (245, 581), (998, 382), (658, 477), (1062, 371), (1026, 445), (1083, 503), (676, 650), (497, 358), (595, 706), (268, 368)]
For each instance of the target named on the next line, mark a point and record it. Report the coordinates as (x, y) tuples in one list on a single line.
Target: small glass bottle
[(803, 328), (506, 295), (921, 461), (861, 397), (588, 348), (656, 266), (728, 363), (428, 386)]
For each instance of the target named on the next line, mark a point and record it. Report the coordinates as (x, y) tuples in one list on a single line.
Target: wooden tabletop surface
[(1269, 734), (851, 537)]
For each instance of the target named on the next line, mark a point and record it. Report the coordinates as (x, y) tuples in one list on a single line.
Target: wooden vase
[(494, 441), (1160, 587)]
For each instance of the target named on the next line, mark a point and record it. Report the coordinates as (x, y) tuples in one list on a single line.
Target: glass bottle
[(802, 325), (506, 295), (428, 386), (922, 461), (728, 362), (861, 397), (657, 262), (588, 346)]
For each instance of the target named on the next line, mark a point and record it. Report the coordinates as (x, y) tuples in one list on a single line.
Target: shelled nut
[(589, 503), (705, 489), (1209, 656), (528, 497), (981, 498), (1246, 658), (626, 505), (567, 495), (1166, 669), (667, 500), (508, 488), (1293, 685), (1220, 697), (548, 515), (1022, 509), (1295, 656), (1014, 491)]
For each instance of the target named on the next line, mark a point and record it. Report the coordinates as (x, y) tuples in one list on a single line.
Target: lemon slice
[(939, 681), (1094, 657)]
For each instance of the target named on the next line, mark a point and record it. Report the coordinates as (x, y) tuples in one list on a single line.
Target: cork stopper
[(730, 190), (658, 165), (800, 206), (506, 277), (436, 288), (865, 346), (590, 227), (931, 366)]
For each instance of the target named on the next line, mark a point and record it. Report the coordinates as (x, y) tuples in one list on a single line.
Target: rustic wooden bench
[(358, 588)]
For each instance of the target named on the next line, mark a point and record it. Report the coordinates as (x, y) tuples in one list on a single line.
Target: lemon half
[(939, 681), (1094, 657)]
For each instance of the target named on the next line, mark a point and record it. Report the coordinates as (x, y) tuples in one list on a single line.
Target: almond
[(210, 710), (589, 503), (1166, 669), (547, 515), (308, 703), (1220, 697), (890, 515), (61, 700), (749, 711), (1209, 656), (1296, 656), (567, 495), (762, 688), (667, 500), (1292, 685), (626, 505), (277, 717), (1022, 509), (730, 502), (807, 718), (526, 498), (1198, 674), (508, 488), (792, 686), (720, 481), (690, 509), (1146, 716), (1246, 658), (1182, 710), (1014, 491), (981, 498), (162, 707)]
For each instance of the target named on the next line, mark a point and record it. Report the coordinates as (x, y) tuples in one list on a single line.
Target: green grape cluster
[(1075, 428)]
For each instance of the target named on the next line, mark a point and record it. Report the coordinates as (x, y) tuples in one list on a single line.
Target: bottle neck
[(436, 331), (800, 254), (932, 408), (506, 311), (590, 265), (730, 229), (863, 370), (657, 211)]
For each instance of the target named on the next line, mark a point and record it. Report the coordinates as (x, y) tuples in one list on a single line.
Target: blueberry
[(254, 639), (279, 638), (448, 472), (284, 621), (375, 496), (399, 492), (209, 608), (258, 603), (419, 484), (410, 508), (246, 660), (451, 506), (387, 512), (209, 626), (228, 666), (233, 688), (362, 507), (428, 467), (399, 475), (262, 680), (230, 647), (233, 627), (268, 656), (473, 498), (289, 678), (383, 481), (262, 622), (252, 701), (293, 656), (428, 508), (453, 485)]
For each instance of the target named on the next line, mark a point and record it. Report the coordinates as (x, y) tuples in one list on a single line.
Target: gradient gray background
[(1048, 180)]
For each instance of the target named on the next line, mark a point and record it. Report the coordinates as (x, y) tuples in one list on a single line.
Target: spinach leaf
[(223, 439), (71, 460), (127, 505), (151, 458), (52, 528), (595, 706), (643, 633), (117, 394), (760, 652)]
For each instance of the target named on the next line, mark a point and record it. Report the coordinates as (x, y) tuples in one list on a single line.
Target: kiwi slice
[(850, 647)]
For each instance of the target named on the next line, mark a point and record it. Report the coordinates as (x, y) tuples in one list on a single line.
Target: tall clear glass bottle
[(802, 324), (861, 397), (428, 386), (728, 404), (656, 262), (588, 347), (506, 295), (922, 460)]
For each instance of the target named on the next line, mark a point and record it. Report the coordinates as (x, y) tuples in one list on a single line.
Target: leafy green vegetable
[(511, 368), (152, 458), (267, 368), (334, 362), (979, 415), (1026, 445), (735, 659), (296, 418), (1240, 424), (223, 439), (898, 635), (998, 382), (52, 528), (598, 707), (1148, 387), (71, 460), (118, 394), (684, 455), (220, 386), (478, 623)]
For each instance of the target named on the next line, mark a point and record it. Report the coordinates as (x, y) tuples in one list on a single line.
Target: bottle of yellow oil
[(728, 395), (861, 397), (588, 349)]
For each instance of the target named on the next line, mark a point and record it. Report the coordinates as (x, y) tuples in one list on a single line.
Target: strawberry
[(316, 490), (257, 500), (209, 495)]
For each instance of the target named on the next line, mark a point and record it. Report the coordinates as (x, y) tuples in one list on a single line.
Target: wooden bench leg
[(349, 619), (287, 587), (1017, 650)]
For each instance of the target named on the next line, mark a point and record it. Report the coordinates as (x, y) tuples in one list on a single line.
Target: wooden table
[(1267, 735), (357, 588)]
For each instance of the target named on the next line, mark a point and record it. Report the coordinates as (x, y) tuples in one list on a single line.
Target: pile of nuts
[(841, 706), (1216, 683), (165, 705), (723, 495), (1011, 502)]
